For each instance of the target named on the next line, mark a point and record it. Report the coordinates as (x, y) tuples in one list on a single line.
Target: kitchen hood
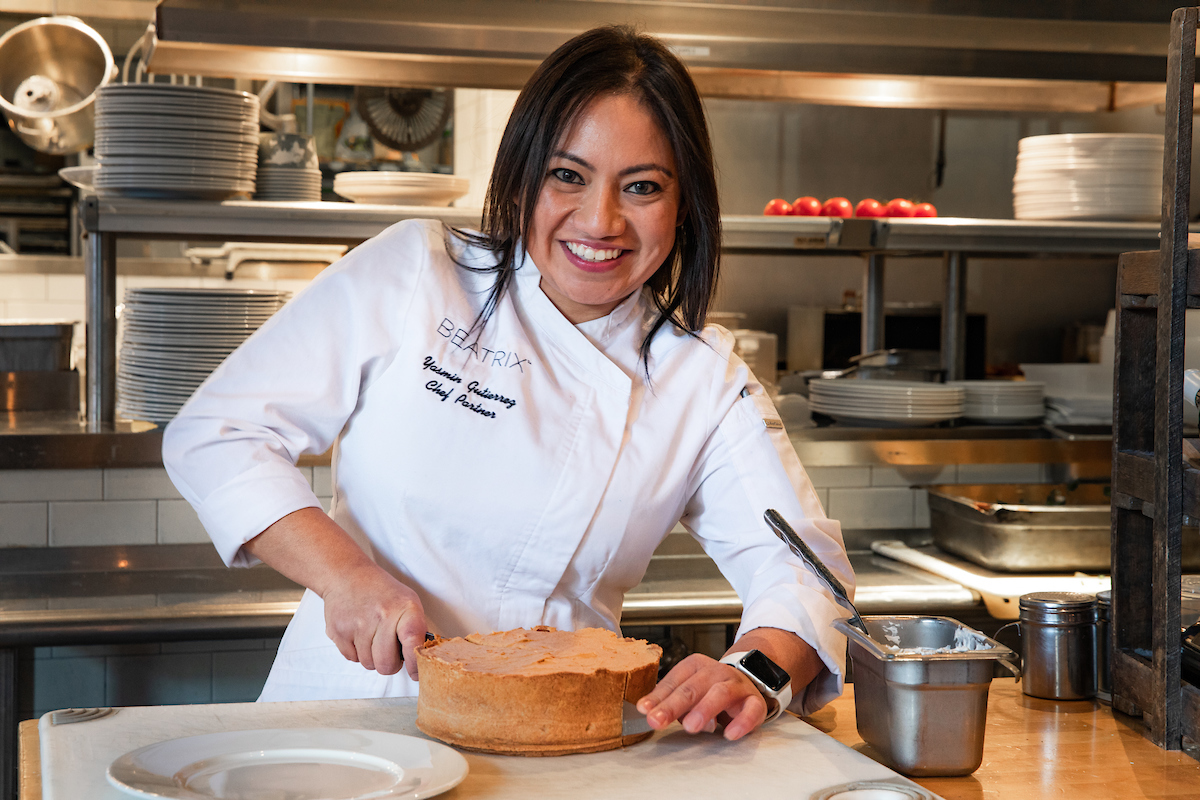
[(1021, 55)]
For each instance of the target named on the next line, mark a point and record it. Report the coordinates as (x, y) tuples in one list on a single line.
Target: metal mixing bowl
[(50, 69)]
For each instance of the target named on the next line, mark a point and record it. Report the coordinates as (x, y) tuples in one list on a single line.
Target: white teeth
[(588, 254)]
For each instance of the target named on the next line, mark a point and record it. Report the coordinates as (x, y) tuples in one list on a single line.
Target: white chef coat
[(519, 476)]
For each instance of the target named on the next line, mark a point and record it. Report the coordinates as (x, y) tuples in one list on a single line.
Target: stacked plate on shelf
[(173, 338), (885, 403), (157, 140), (1089, 176), (400, 188), (288, 169), (1003, 402)]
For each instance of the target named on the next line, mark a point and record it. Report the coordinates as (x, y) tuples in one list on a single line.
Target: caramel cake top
[(543, 651)]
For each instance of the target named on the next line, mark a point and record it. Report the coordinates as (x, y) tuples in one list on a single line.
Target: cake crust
[(535, 692)]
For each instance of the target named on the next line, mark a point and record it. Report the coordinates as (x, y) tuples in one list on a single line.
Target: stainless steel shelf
[(110, 219)]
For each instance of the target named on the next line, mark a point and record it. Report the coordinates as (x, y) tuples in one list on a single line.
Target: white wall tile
[(178, 524), (295, 286), (51, 484), (145, 483), (22, 287), (111, 522), (23, 525), (872, 507), (914, 475), (66, 288), (158, 679), (839, 476), (1001, 473), (45, 310), (322, 481)]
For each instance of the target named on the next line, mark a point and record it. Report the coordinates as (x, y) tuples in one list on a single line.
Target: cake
[(533, 692)]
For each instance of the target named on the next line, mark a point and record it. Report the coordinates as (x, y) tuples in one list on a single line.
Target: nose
[(600, 214)]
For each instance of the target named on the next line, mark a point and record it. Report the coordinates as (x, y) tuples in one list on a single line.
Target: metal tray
[(1041, 527)]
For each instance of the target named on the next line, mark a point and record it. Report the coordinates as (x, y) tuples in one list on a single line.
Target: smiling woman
[(605, 219), (521, 414), (607, 149)]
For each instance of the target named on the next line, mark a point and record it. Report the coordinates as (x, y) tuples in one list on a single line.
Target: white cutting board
[(786, 759)]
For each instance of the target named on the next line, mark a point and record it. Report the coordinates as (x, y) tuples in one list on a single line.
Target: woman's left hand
[(701, 692)]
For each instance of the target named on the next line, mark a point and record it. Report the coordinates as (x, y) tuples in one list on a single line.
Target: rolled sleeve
[(290, 389), (747, 468)]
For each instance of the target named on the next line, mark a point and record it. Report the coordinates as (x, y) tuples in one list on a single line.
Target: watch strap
[(781, 699)]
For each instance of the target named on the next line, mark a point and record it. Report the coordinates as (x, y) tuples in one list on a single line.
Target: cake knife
[(633, 722), (801, 549)]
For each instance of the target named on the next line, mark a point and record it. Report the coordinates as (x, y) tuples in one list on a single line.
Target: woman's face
[(606, 215)]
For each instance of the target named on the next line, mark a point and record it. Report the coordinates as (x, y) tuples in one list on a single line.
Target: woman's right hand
[(375, 620)]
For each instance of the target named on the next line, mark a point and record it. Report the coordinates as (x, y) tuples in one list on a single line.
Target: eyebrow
[(650, 166)]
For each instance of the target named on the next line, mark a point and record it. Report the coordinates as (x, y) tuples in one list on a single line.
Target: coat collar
[(562, 334)]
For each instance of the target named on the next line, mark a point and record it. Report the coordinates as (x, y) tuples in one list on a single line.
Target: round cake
[(534, 692)]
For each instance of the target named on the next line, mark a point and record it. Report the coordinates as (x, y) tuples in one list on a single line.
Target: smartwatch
[(768, 677)]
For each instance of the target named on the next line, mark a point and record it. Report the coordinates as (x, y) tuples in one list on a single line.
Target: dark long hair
[(610, 60)]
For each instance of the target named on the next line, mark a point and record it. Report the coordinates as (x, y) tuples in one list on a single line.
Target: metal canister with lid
[(1058, 645), (1104, 645)]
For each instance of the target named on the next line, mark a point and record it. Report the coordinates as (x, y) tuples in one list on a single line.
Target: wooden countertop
[(1034, 749)]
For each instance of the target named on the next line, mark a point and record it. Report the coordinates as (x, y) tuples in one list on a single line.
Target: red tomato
[(924, 210), (870, 207), (837, 207), (778, 207), (899, 207), (806, 207)]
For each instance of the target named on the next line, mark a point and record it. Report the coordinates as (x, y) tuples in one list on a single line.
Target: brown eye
[(644, 188), (567, 175)]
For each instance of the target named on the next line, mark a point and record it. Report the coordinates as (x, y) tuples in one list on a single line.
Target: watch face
[(771, 674)]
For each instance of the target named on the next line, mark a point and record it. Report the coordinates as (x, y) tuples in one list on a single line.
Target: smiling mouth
[(589, 254)]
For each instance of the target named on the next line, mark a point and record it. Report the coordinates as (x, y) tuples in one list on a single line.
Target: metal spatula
[(801, 549)]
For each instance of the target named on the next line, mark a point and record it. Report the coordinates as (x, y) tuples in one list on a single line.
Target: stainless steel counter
[(80, 595), (57, 440)]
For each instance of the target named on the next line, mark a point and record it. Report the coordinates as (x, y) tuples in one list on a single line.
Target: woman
[(520, 416)]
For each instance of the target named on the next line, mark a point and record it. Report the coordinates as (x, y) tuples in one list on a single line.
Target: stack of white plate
[(173, 338), (1098, 176), (287, 184), (400, 188), (1003, 402), (185, 142), (288, 169), (894, 403)]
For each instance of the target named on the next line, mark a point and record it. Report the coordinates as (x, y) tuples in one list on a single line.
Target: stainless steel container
[(35, 346), (50, 69), (1104, 644), (1058, 645), (920, 700), (1031, 527)]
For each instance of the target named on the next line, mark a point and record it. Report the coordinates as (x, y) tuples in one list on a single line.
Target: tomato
[(924, 210), (778, 207), (837, 207), (806, 207), (899, 207), (870, 207)]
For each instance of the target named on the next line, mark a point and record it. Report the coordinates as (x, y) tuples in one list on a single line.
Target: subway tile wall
[(81, 507)]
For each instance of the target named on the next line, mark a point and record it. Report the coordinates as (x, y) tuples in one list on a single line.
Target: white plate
[(300, 764)]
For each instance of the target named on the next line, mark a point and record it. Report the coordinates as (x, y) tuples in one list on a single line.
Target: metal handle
[(806, 554)]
